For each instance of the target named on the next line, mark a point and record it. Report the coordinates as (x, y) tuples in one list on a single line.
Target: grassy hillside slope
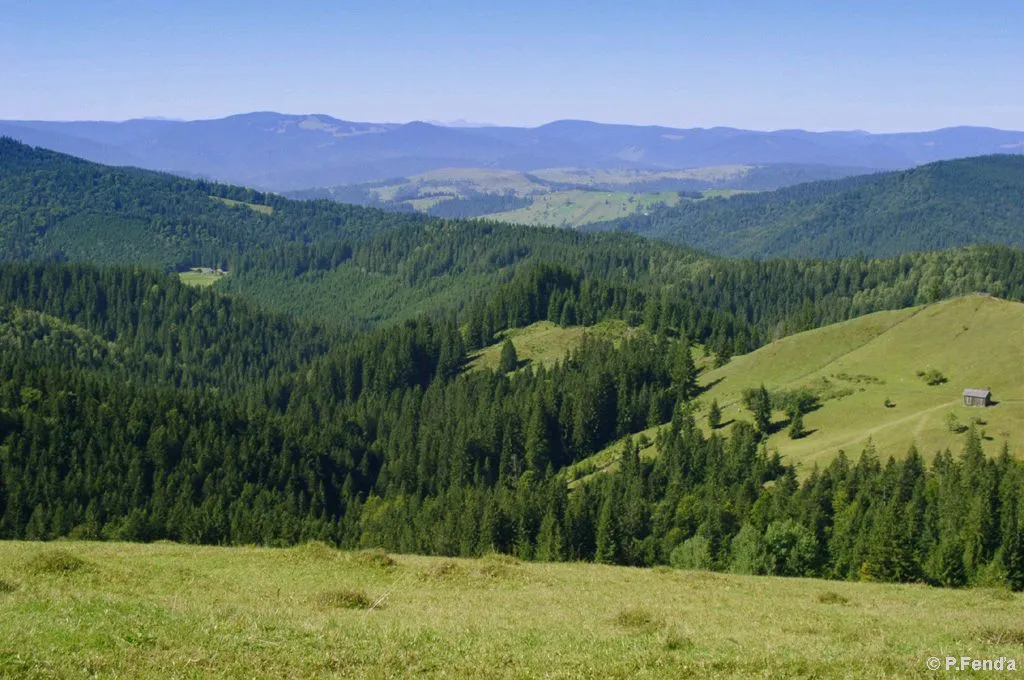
[(974, 341), (167, 610), (544, 342)]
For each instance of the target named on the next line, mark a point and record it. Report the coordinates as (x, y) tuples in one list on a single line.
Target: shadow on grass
[(705, 388)]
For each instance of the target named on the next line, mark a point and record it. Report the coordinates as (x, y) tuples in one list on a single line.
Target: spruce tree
[(549, 539), (509, 359), (796, 425), (760, 404), (607, 540), (950, 570), (538, 447), (714, 415), (1013, 558), (684, 372)]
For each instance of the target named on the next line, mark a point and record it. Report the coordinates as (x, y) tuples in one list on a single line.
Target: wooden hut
[(973, 397)]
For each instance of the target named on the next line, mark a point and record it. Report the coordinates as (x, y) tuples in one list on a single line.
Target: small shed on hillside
[(973, 397)]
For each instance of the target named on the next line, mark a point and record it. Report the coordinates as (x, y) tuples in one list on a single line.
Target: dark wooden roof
[(982, 394)]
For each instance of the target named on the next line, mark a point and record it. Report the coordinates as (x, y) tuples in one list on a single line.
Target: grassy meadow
[(231, 203), (544, 342), (973, 341), (164, 610), (856, 366), (576, 207), (200, 279)]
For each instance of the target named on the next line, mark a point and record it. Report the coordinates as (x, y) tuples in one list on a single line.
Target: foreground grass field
[(166, 610)]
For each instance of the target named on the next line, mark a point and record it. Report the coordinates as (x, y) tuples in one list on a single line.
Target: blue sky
[(836, 64)]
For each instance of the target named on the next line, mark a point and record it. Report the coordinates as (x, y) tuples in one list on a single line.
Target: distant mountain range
[(289, 152)]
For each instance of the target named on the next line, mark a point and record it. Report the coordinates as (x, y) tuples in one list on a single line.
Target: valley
[(698, 353)]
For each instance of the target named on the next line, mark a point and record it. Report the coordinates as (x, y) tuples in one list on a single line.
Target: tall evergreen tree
[(607, 539), (714, 415), (796, 424), (759, 402), (684, 371), (509, 359)]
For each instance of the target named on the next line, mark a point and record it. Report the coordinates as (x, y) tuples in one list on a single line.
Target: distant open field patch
[(201, 277), (544, 342), (588, 176), (578, 207), (167, 610), (262, 209)]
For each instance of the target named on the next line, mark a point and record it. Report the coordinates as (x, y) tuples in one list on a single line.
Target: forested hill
[(935, 206), (135, 408), (54, 206)]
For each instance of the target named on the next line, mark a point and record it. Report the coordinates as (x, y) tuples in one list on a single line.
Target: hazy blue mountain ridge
[(287, 152)]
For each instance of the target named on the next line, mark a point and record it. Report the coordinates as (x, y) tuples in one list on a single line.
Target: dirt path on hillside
[(917, 414)]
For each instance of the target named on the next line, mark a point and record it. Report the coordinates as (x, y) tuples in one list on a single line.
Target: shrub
[(443, 571), (347, 598), (501, 558), (7, 586), (932, 377), (376, 557), (748, 555), (1003, 636), (314, 551), (498, 566), (60, 562), (674, 640), (635, 617), (803, 400), (789, 548), (953, 424), (832, 597), (695, 553)]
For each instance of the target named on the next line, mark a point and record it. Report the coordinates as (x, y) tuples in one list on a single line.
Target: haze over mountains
[(287, 152)]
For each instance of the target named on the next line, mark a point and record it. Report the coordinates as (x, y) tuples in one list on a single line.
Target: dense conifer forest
[(58, 207), (134, 407), (940, 205), (321, 391)]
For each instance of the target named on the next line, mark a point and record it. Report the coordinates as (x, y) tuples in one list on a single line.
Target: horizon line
[(459, 124)]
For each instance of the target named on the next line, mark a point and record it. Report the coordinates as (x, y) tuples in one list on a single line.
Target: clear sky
[(821, 64)]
